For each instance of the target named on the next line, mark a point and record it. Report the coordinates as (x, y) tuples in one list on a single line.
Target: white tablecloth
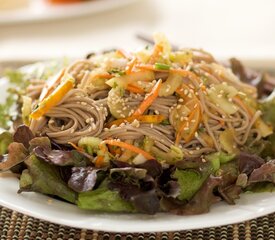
[(242, 28)]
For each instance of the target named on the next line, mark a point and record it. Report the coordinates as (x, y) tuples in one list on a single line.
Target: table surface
[(226, 28)]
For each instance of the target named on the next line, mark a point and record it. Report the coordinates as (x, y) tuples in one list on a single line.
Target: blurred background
[(43, 29)]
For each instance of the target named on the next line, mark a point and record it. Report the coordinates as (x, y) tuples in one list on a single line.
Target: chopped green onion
[(162, 66)]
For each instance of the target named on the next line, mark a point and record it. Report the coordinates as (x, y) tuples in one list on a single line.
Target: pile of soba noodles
[(145, 131)]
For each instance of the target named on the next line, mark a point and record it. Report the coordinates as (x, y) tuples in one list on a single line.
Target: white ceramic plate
[(37, 205), (39, 10)]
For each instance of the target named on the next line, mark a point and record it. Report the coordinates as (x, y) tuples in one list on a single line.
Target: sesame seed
[(83, 103), (182, 118), (193, 121), (178, 106), (186, 129), (196, 134), (219, 96), (180, 100), (230, 99), (185, 91), (157, 112), (62, 127), (191, 152), (151, 125), (190, 95)]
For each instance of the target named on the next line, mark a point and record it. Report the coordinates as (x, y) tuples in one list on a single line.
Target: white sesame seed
[(83, 103), (180, 100), (151, 125), (178, 106)]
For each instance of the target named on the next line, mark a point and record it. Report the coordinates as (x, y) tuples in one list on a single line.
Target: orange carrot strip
[(131, 65), (150, 68), (53, 99), (148, 100), (104, 75), (130, 147), (50, 84), (99, 161), (80, 149), (141, 118), (192, 126), (135, 89)]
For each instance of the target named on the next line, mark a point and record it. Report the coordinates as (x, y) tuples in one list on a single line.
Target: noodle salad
[(155, 130)]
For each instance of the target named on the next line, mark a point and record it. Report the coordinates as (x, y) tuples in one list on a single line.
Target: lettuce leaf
[(45, 178), (104, 200)]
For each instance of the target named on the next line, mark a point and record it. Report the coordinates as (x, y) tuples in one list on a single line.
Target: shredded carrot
[(158, 49), (130, 147), (150, 67), (124, 53), (135, 89), (53, 99), (114, 150), (99, 162), (104, 75), (244, 106), (131, 65), (141, 118), (149, 99), (50, 85), (189, 127), (80, 149)]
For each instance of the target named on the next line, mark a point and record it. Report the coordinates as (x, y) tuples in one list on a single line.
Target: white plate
[(36, 205), (40, 206), (39, 10)]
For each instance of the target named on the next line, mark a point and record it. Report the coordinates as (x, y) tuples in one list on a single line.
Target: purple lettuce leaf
[(83, 179), (248, 162), (17, 154), (23, 135), (137, 187), (265, 173), (60, 157)]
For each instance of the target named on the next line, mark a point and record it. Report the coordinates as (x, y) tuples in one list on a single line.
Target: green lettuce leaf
[(45, 178), (104, 200), (5, 141), (190, 181)]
